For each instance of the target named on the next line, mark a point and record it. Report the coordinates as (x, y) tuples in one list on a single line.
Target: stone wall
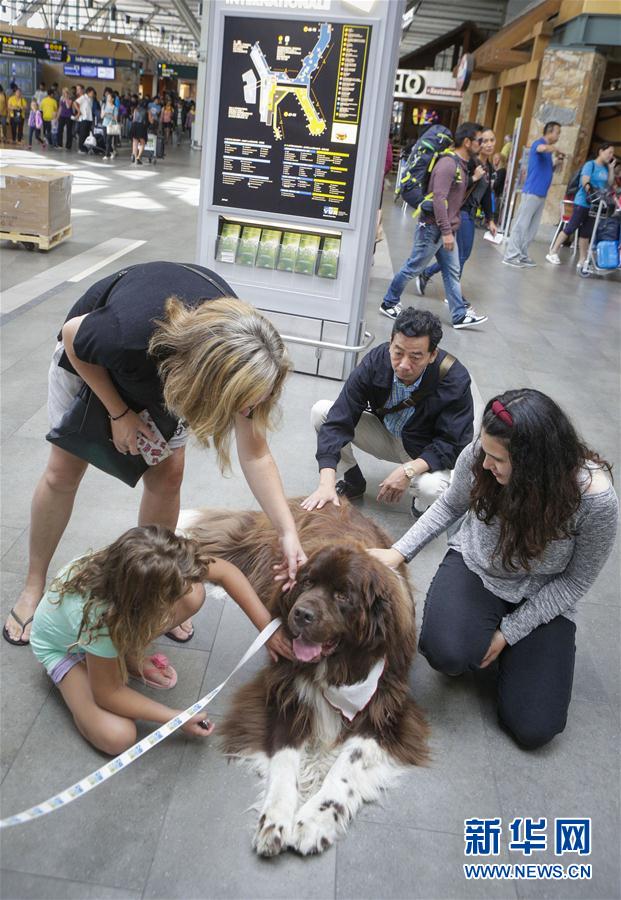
[(570, 83)]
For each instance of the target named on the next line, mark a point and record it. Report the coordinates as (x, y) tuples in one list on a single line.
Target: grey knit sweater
[(555, 582)]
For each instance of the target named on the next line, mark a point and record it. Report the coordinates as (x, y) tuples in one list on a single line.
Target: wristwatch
[(409, 470)]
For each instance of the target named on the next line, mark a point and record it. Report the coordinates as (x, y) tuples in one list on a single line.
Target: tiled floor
[(177, 823)]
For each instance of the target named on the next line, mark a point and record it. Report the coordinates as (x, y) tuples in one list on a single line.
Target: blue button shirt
[(540, 171), (396, 422)]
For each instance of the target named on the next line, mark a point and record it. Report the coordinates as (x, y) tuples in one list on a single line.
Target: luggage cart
[(602, 209)]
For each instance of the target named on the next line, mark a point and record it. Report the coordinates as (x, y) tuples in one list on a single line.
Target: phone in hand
[(153, 452)]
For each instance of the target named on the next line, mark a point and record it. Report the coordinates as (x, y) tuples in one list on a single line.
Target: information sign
[(14, 45), (176, 70), (289, 117)]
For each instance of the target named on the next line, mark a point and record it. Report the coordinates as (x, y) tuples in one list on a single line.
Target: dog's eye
[(341, 599)]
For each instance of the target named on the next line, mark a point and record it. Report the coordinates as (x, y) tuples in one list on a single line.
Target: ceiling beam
[(98, 14), (29, 11), (187, 16), (150, 17), (497, 59), (518, 30), (61, 6)]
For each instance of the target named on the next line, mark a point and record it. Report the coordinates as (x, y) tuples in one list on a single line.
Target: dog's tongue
[(306, 651)]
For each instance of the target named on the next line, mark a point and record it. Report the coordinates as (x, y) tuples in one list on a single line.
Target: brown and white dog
[(330, 729)]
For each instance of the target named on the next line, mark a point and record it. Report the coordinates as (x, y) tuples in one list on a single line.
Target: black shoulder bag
[(85, 430), (420, 393)]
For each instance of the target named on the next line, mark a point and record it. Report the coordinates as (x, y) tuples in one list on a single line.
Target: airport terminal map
[(291, 99)]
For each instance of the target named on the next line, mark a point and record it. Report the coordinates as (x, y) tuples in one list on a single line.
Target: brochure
[(288, 251), (227, 242), (329, 257), (307, 254), (268, 248), (248, 245)]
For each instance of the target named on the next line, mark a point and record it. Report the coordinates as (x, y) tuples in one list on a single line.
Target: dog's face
[(340, 601)]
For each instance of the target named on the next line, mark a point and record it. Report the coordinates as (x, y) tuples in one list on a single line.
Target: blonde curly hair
[(216, 360)]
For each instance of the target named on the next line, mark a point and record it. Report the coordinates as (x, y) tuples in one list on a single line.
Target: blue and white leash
[(82, 787)]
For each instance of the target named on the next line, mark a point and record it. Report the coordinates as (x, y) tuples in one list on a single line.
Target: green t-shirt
[(56, 625)]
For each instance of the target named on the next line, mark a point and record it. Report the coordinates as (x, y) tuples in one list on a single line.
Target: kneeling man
[(407, 402)]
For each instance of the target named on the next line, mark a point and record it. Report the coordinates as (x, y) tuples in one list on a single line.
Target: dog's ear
[(376, 620)]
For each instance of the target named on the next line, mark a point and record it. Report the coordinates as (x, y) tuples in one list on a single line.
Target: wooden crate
[(42, 241)]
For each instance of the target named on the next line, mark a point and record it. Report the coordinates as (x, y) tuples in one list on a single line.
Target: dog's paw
[(271, 836), (317, 825)]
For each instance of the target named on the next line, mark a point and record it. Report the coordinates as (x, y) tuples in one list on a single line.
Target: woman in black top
[(172, 339)]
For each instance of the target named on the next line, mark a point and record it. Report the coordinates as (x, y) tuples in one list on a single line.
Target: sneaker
[(138, 162), (133, 159), (514, 262), (421, 283), (527, 261), (415, 513), (350, 490), (553, 258), (106, 157), (83, 152), (466, 303), (391, 311), (469, 320)]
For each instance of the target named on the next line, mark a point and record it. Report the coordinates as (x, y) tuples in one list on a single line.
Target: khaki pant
[(372, 437)]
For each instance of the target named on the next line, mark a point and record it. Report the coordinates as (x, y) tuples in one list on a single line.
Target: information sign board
[(15, 45), (291, 102)]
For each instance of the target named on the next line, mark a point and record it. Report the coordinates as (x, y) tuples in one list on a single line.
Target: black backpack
[(574, 185), (428, 148)]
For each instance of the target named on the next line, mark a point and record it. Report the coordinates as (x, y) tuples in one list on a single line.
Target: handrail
[(327, 345)]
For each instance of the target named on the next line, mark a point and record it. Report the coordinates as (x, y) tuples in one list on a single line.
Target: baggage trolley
[(153, 148), (602, 209)]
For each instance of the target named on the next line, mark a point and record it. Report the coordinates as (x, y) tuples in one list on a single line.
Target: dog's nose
[(303, 616)]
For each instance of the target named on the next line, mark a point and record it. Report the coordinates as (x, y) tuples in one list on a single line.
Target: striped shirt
[(396, 422)]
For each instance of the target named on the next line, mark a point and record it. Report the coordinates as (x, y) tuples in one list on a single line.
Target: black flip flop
[(23, 625), (173, 637)]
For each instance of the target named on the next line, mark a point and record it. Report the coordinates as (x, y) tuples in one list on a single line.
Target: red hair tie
[(503, 414)]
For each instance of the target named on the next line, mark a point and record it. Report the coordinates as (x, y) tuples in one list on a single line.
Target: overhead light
[(113, 13), (127, 19)]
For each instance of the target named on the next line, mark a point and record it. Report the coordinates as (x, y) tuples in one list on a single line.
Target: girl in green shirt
[(95, 623)]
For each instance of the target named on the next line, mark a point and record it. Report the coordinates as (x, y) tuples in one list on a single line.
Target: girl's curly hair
[(131, 586)]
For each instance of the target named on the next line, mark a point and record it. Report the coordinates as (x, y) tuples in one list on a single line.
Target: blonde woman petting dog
[(171, 339)]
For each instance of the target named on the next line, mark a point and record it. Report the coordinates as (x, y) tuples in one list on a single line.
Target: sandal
[(17, 642), (173, 637), (158, 661)]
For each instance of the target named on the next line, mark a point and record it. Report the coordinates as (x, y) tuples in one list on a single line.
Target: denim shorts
[(63, 387)]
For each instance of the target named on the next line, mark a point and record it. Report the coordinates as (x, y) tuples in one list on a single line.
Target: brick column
[(570, 83)]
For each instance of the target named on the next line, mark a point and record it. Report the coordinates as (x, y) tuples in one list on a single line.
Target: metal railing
[(328, 345)]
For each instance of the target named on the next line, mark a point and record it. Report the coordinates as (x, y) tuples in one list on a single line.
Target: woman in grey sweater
[(540, 518)]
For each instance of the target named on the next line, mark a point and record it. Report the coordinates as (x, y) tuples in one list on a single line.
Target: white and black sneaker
[(391, 311), (470, 319)]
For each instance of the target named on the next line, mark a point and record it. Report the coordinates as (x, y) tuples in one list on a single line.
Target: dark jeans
[(535, 675), (34, 132), (47, 131), (62, 124), (465, 243), (17, 129), (427, 244), (84, 129)]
